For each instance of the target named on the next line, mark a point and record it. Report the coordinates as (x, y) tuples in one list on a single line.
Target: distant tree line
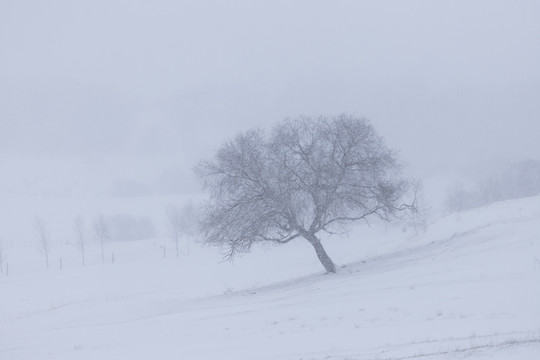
[(181, 223), (521, 179)]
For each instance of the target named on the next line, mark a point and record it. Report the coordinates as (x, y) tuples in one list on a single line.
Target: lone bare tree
[(181, 222), (102, 233), (174, 224), (80, 234), (308, 176), (2, 255), (44, 237)]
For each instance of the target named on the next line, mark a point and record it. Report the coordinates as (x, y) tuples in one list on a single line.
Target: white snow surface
[(469, 287)]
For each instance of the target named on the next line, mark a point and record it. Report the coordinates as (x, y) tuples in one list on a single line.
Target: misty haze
[(270, 179)]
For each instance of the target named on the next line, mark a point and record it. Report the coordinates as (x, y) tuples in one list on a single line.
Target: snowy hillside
[(468, 287)]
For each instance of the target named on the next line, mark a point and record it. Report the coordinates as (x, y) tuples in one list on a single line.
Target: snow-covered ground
[(467, 288)]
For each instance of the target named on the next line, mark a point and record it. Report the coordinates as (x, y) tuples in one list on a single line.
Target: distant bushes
[(124, 227), (518, 180)]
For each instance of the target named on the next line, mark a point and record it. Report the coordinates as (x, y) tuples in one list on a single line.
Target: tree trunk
[(325, 260)]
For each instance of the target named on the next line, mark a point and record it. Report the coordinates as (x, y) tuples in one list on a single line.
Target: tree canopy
[(304, 177)]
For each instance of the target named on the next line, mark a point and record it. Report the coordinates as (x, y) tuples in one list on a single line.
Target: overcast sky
[(115, 91)]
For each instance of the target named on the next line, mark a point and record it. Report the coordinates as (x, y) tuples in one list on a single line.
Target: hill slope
[(470, 286)]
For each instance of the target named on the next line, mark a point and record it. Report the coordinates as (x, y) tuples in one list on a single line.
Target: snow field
[(468, 287)]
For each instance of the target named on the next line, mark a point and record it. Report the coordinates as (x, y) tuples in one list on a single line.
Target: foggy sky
[(113, 91)]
